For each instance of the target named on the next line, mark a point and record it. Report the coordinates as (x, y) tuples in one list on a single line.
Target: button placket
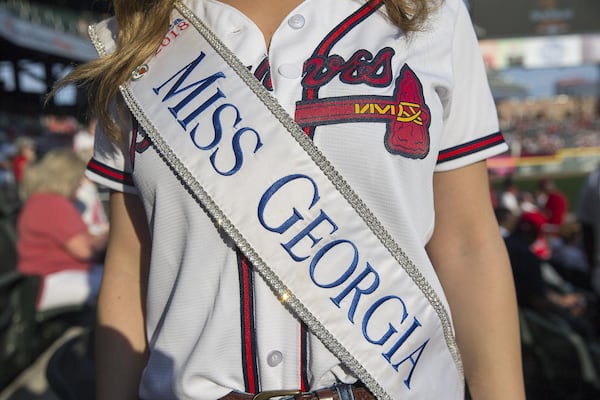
[(274, 358), (296, 21)]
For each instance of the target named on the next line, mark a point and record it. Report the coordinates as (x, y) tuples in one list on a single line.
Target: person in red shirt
[(53, 240), (553, 203), (25, 155), (536, 222)]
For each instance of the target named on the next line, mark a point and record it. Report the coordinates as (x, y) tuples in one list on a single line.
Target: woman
[(53, 240), (413, 149), (25, 154)]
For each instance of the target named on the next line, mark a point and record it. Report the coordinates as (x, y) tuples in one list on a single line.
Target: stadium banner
[(27, 34), (533, 52), (534, 17)]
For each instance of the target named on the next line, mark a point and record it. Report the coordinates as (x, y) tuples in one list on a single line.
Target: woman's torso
[(46, 223), (213, 325)]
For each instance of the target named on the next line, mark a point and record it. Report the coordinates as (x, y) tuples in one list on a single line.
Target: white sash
[(302, 227)]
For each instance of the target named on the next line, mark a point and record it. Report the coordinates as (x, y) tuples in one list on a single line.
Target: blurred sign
[(533, 52), (556, 51), (496, 19), (24, 33), (591, 48)]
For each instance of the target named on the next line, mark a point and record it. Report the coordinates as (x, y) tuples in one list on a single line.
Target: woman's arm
[(120, 332), (470, 259), (86, 246)]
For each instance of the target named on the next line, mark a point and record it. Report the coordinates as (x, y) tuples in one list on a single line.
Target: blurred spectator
[(87, 196), (90, 206), (553, 203), (588, 213), (509, 196), (7, 176), (25, 154), (53, 240), (568, 257), (83, 140), (533, 291), (506, 221), (527, 202), (535, 221), (9, 197)]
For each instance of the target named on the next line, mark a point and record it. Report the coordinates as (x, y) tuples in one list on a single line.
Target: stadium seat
[(70, 370), (557, 361), (14, 350), (9, 210), (25, 332)]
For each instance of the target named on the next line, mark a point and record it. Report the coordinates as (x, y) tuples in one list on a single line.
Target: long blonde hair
[(142, 24)]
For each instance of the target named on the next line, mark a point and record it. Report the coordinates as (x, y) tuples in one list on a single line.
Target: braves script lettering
[(362, 67)]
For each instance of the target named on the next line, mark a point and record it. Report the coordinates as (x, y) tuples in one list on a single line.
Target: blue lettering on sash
[(187, 97), (369, 271), (391, 330), (349, 270), (341, 268), (307, 232), (186, 100), (418, 351), (296, 216)]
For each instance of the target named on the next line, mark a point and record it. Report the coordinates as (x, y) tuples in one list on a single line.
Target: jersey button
[(274, 358), (296, 21), (290, 71)]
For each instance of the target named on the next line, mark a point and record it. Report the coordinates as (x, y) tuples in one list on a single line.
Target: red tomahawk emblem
[(406, 114)]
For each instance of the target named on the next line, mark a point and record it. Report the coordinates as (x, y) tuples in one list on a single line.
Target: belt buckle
[(269, 394)]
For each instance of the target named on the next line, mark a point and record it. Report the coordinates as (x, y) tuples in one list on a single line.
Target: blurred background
[(543, 64), (543, 60)]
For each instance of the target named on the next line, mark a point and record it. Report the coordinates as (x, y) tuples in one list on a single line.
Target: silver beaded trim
[(327, 168)]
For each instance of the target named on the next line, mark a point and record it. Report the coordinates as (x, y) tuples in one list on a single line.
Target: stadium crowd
[(539, 135)]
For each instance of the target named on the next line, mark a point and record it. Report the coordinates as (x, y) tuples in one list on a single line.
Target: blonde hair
[(142, 25), (59, 172)]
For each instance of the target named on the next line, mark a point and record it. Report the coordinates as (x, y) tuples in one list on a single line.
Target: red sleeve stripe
[(472, 147), (109, 173)]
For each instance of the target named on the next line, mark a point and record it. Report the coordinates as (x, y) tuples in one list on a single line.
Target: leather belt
[(359, 393)]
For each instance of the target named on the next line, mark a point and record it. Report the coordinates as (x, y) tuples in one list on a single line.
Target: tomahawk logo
[(407, 133), (405, 114)]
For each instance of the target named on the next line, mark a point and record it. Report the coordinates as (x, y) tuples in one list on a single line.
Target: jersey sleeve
[(110, 165), (471, 132)]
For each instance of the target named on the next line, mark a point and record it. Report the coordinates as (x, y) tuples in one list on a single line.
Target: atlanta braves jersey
[(387, 109)]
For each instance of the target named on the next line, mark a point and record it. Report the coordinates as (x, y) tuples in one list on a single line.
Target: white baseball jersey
[(386, 109)]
